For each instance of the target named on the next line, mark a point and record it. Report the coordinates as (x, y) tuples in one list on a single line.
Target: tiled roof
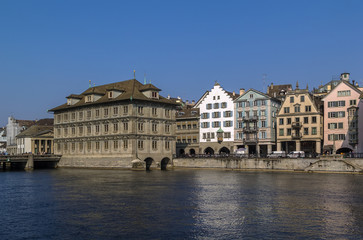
[(35, 130), (276, 90), (25, 123), (132, 90), (188, 112)]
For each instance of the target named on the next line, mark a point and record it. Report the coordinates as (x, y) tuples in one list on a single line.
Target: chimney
[(344, 76), (234, 94), (241, 91)]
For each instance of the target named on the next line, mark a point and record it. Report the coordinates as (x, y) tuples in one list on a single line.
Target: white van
[(277, 154), (296, 154)]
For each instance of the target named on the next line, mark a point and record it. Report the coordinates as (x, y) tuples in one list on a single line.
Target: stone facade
[(124, 124), (255, 126), (187, 131), (300, 122)]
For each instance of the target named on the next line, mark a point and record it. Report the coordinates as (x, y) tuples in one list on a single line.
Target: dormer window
[(194, 112), (69, 101), (89, 98), (180, 113), (154, 94), (110, 95)]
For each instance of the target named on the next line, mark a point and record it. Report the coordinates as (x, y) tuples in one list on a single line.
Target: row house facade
[(116, 125), (341, 118), (300, 122), (216, 135), (187, 131), (255, 116)]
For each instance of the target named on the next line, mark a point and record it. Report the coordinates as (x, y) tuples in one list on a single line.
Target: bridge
[(29, 161)]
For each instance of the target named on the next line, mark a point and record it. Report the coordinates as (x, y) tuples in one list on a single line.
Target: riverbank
[(283, 164)]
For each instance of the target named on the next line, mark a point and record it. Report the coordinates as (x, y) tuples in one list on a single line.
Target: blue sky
[(50, 49)]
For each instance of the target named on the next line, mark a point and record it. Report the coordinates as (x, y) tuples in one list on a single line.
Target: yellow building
[(300, 122)]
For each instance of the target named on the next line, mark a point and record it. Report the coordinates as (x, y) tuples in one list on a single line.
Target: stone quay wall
[(282, 164)]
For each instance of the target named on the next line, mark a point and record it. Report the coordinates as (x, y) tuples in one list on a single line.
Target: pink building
[(341, 118)]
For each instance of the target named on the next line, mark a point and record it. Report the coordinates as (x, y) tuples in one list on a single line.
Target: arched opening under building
[(209, 151), (148, 162), (164, 163), (181, 152), (224, 151), (192, 152), (344, 150)]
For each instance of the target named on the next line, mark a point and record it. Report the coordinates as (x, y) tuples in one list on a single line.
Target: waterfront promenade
[(29, 161)]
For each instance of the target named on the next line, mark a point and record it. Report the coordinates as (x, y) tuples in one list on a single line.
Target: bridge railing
[(353, 155)]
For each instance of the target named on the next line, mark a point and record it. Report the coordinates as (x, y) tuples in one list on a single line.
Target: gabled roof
[(132, 90), (346, 83), (149, 87), (275, 90), (261, 93), (233, 95), (36, 130)]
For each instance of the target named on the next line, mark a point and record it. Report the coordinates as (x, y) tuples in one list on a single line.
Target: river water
[(179, 204)]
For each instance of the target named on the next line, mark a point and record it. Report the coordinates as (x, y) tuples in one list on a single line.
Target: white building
[(216, 133)]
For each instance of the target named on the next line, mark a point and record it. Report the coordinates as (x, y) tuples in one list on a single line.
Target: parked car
[(277, 154), (296, 154)]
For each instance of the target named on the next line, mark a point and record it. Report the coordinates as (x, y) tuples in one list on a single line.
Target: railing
[(251, 118), (353, 155), (250, 140), (295, 136), (232, 155), (247, 129), (296, 124)]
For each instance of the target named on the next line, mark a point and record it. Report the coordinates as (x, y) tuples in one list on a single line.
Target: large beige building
[(123, 124), (187, 131), (300, 122)]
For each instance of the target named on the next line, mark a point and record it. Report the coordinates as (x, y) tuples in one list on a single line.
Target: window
[(73, 146), (80, 115), (216, 124), (343, 93), (97, 128), (154, 145), (115, 145), (228, 114), (288, 132), (115, 110), (227, 135), (297, 108), (89, 146), (281, 121), (340, 114), (80, 146), (209, 106), (106, 145), (126, 126), (167, 128), (89, 99), (97, 145), (126, 109), (336, 104), (306, 119), (154, 111), (251, 95), (307, 108), (313, 119), (332, 137), (297, 119), (88, 129), (288, 120), (281, 132), (216, 115), (115, 127), (302, 98), (140, 144), (167, 112), (73, 116), (263, 123), (154, 127), (306, 131), (106, 128), (65, 117), (263, 135), (216, 105), (154, 94), (89, 114), (140, 110), (314, 131), (223, 105), (291, 99), (126, 144), (205, 115), (228, 124), (65, 131), (110, 94), (167, 145), (204, 125), (353, 102), (335, 125), (286, 110), (105, 112), (140, 126), (97, 113), (255, 113)]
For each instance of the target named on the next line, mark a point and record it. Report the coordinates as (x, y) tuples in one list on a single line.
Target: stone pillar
[(278, 147), (298, 145), (30, 162), (247, 151), (318, 146), (269, 148), (258, 150)]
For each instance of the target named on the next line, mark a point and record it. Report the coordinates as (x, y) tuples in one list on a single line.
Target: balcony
[(296, 125), (250, 119), (296, 136), (250, 140), (353, 141), (250, 130)]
